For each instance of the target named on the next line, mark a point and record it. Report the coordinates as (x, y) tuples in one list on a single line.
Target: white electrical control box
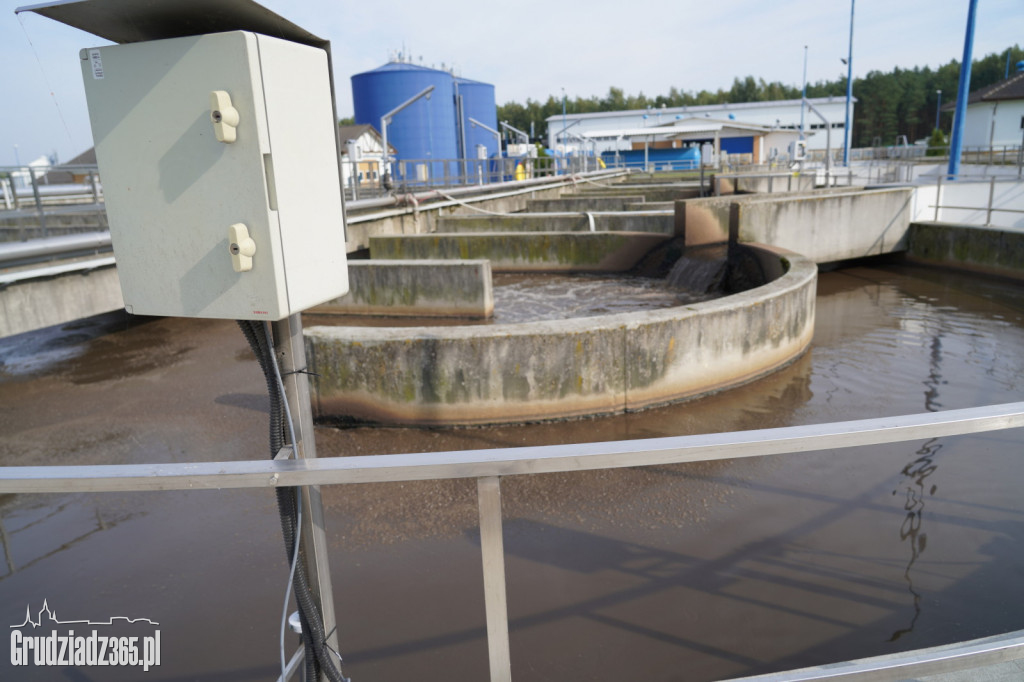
[(218, 160)]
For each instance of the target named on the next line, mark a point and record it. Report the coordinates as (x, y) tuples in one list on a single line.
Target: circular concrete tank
[(567, 368)]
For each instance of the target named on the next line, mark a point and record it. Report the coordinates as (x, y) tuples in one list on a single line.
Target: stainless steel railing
[(989, 207), (488, 466)]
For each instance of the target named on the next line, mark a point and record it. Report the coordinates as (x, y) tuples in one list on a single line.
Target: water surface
[(695, 572)]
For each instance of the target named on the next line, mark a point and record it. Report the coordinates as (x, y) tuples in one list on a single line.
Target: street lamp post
[(803, 96), (849, 93), (938, 108), (564, 126)]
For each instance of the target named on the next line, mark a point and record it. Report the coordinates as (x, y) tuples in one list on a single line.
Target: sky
[(533, 49)]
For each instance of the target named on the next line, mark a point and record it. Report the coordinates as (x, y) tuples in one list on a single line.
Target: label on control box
[(97, 63)]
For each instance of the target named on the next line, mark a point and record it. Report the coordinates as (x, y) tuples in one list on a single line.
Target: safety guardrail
[(1006, 154), (488, 466), (988, 208)]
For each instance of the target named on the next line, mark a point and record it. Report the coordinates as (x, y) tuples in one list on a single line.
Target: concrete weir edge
[(536, 371)]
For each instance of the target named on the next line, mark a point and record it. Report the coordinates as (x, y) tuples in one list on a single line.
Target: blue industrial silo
[(476, 101), (424, 130)]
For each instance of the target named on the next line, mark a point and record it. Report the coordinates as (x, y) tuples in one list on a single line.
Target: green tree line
[(889, 104)]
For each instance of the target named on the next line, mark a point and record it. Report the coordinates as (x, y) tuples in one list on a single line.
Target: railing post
[(1020, 155), (938, 196), (493, 553), (14, 191), (291, 357), (94, 184), (991, 195), (39, 199)]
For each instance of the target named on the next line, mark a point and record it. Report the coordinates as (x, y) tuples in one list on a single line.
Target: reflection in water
[(39, 531), (7, 547), (916, 473), (934, 380)]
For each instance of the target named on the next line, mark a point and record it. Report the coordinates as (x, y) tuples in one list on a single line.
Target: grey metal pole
[(386, 118), (492, 131), (849, 93), (1020, 153), (495, 600), (38, 198), (95, 187), (991, 196), (828, 140), (291, 358), (803, 97)]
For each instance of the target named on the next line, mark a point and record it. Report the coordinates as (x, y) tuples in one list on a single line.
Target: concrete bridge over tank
[(825, 225)]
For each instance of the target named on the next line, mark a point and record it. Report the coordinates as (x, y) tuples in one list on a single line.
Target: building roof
[(684, 129), (1011, 88), (88, 157), (702, 108), (354, 132), (402, 66)]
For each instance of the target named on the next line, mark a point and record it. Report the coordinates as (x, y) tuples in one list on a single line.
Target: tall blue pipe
[(849, 94), (962, 93)]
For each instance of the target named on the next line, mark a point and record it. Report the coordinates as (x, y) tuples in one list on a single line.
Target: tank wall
[(425, 129), (478, 103)]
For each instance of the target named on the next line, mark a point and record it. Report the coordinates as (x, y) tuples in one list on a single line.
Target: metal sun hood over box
[(134, 21)]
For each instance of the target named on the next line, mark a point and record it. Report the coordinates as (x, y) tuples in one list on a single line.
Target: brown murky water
[(532, 297), (695, 572)]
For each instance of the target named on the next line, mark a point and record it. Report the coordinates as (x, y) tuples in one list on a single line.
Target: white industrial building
[(362, 155), (776, 115), (995, 114)]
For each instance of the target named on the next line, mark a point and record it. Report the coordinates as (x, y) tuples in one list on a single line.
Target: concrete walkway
[(1011, 671)]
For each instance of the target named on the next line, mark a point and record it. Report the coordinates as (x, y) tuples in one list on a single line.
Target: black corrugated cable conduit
[(318, 658)]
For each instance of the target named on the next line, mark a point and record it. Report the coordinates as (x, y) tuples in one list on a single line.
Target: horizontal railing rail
[(488, 466), (993, 154), (507, 461), (989, 207), (949, 658), (39, 190)]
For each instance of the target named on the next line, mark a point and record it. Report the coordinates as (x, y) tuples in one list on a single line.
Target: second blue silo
[(424, 130), (477, 102)]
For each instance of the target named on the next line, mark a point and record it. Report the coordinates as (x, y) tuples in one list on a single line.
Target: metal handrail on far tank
[(487, 466), (965, 178)]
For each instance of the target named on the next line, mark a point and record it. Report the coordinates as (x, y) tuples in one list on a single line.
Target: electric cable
[(288, 589), (318, 656), (311, 668)]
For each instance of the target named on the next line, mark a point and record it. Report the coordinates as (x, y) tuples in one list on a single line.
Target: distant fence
[(25, 188)]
